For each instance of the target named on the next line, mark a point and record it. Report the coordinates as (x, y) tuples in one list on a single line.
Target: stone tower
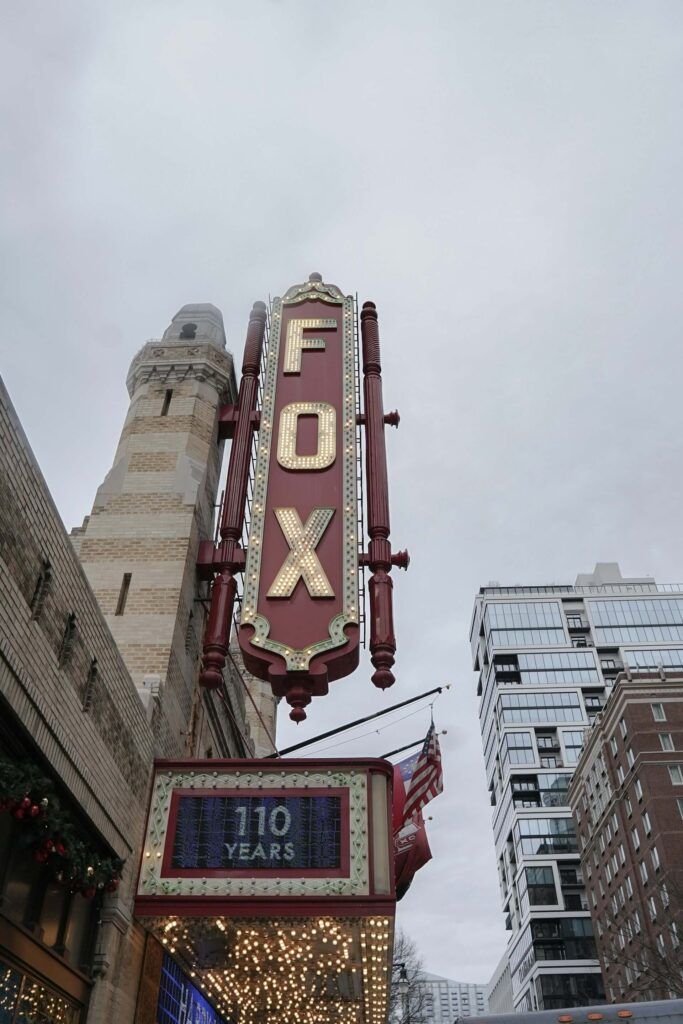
[(139, 545)]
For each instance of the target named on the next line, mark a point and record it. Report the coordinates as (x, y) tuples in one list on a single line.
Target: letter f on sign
[(302, 561)]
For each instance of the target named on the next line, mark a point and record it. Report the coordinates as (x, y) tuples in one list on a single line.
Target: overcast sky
[(502, 177)]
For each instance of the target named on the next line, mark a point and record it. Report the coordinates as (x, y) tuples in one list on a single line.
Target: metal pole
[(360, 721), (229, 556)]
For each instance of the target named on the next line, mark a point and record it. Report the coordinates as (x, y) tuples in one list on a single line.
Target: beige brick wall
[(150, 514)]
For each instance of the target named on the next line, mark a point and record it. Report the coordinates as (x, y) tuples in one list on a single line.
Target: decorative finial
[(315, 277)]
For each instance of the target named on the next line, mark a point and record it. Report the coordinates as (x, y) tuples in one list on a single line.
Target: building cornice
[(172, 362)]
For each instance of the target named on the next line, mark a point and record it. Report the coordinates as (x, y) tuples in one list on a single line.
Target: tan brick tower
[(139, 545)]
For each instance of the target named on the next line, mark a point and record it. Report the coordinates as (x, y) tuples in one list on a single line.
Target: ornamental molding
[(167, 361)]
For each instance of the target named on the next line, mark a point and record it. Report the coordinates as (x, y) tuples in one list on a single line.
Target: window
[(622, 853), (574, 621), (517, 748), (123, 593), (661, 944), (523, 624), (613, 747), (643, 872), (541, 886), (637, 785), (573, 742), (642, 621), (89, 691), (629, 887), (637, 927), (615, 823), (654, 855), (537, 836), (555, 668), (676, 773), (68, 639), (635, 837), (680, 807), (658, 712), (622, 727), (666, 740), (167, 402), (608, 663), (630, 758), (41, 590), (664, 894), (647, 825), (652, 907), (629, 806), (620, 774), (608, 873), (673, 928), (556, 706)]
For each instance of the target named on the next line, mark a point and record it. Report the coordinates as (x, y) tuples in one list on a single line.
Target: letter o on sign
[(327, 436)]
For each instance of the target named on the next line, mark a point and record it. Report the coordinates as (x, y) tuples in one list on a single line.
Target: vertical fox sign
[(299, 626)]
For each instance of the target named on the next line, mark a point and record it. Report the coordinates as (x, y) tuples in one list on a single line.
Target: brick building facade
[(100, 639), (627, 800)]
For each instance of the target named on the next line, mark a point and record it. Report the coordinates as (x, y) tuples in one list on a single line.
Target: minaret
[(139, 545)]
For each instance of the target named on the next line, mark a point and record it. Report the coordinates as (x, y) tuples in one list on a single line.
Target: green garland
[(49, 832)]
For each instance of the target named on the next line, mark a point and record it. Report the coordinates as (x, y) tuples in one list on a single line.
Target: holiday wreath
[(50, 833)]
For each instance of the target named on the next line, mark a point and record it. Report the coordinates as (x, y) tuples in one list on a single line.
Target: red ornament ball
[(18, 813), (26, 803), (35, 810)]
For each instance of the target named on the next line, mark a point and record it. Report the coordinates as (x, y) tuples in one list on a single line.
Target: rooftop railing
[(603, 588)]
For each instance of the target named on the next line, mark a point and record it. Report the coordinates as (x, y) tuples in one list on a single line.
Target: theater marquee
[(270, 882), (276, 831)]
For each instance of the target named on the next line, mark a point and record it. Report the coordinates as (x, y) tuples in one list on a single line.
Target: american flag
[(427, 779)]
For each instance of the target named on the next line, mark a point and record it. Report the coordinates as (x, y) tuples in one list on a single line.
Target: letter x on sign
[(302, 561)]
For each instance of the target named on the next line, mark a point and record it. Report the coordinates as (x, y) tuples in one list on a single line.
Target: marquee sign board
[(233, 832), (281, 833), (300, 606)]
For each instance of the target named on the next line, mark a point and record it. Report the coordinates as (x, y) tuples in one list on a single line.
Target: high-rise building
[(444, 1000), (547, 656), (499, 988), (627, 799)]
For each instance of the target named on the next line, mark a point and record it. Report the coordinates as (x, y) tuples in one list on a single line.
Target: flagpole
[(360, 721)]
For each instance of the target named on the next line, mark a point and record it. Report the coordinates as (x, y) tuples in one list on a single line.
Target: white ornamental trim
[(356, 884)]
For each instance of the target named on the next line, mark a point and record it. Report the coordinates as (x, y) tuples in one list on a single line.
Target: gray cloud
[(503, 179)]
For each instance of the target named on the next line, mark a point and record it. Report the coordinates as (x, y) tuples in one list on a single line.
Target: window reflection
[(25, 1000), (640, 622)]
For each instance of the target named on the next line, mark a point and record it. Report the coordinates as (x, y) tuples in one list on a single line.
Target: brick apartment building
[(627, 799)]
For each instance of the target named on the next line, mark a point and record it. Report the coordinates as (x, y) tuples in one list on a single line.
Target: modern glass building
[(547, 657), (446, 1000)]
